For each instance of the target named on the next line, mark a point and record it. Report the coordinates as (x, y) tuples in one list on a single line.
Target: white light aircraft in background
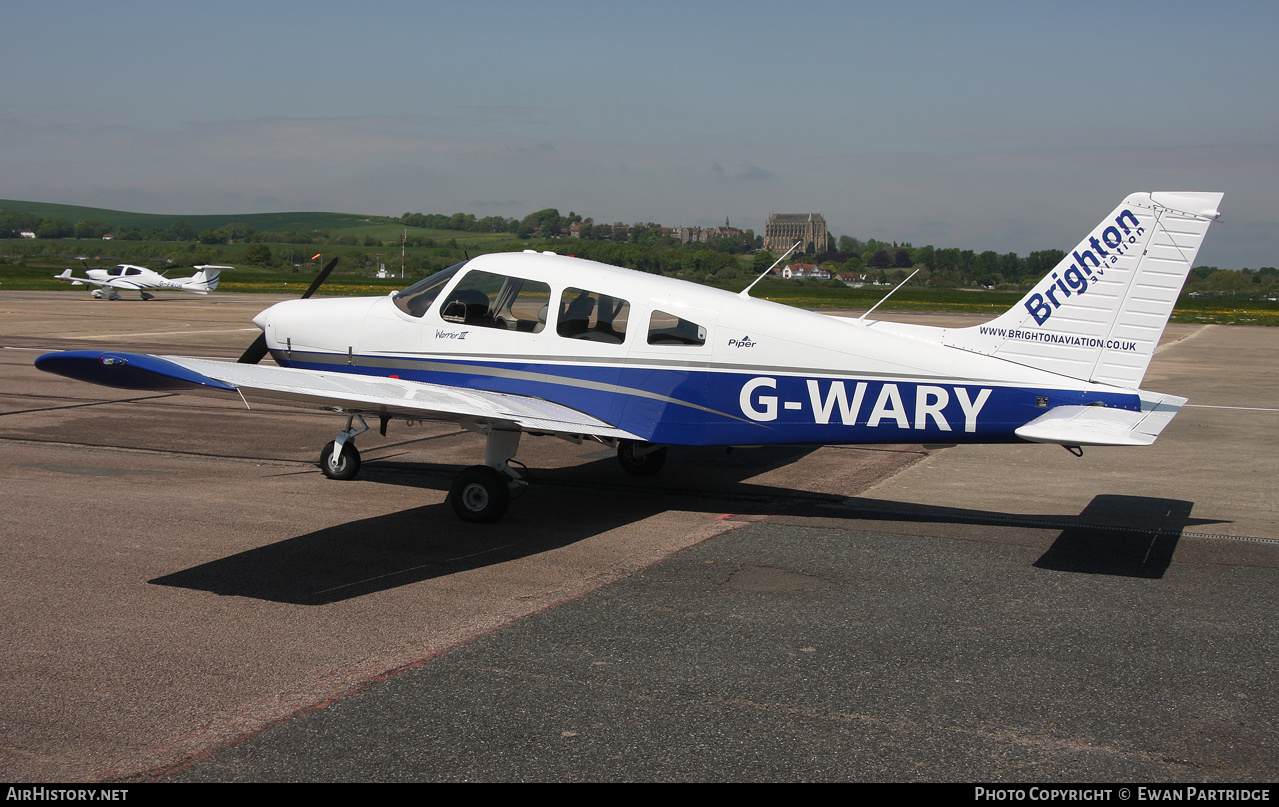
[(513, 343), (126, 277)]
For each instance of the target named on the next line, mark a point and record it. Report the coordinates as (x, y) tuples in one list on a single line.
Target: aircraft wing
[(318, 389), (68, 276), (1103, 426)]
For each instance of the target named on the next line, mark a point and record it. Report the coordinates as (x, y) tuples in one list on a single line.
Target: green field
[(31, 264), (37, 274), (1220, 311), (241, 278)]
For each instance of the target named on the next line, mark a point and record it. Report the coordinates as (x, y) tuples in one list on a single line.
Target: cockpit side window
[(668, 329), (489, 300), (592, 316), (417, 299)]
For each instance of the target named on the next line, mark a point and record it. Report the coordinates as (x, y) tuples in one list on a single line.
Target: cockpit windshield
[(416, 299)]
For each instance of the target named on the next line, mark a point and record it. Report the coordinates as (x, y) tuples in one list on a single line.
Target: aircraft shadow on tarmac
[(562, 507), (1119, 535), (1131, 536), (1117, 548)]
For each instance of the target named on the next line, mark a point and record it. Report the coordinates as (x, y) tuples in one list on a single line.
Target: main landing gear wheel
[(345, 466), (641, 459), (480, 495)]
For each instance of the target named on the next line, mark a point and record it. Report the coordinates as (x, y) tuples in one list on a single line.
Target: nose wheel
[(340, 463), (340, 459)]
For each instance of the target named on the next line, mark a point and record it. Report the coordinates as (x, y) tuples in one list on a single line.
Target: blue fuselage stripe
[(699, 406)]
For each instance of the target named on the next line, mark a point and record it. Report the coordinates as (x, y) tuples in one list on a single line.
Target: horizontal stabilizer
[(1103, 426)]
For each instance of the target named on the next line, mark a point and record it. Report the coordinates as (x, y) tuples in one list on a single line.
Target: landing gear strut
[(641, 459)]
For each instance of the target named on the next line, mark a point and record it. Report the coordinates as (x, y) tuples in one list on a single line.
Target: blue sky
[(1005, 126)]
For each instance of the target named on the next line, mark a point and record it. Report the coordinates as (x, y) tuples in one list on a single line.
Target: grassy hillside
[(263, 222)]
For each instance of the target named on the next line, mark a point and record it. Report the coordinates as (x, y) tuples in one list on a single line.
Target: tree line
[(649, 247)]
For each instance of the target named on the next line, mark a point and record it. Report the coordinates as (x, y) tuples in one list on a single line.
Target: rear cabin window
[(668, 329), (488, 300), (592, 316)]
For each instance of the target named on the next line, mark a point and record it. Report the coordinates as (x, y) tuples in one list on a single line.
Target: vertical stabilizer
[(1099, 314), (204, 281)]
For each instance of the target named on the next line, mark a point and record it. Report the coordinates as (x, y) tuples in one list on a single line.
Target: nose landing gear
[(340, 459), (480, 494)]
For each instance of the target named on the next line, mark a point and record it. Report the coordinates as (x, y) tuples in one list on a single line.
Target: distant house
[(702, 235), (799, 271), (27, 233)]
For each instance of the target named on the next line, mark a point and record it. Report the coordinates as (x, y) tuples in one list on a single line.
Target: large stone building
[(702, 235), (784, 229)]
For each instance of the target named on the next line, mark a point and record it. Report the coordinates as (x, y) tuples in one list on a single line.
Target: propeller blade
[(320, 278), (258, 350)]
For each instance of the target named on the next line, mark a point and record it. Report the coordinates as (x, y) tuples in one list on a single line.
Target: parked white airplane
[(126, 277), (512, 343)]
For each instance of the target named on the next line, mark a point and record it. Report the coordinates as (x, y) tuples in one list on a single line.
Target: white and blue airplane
[(513, 343), (126, 277)]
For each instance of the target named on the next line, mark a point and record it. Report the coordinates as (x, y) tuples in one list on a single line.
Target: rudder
[(205, 280), (1098, 315)]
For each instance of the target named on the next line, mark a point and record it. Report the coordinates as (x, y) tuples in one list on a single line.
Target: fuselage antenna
[(746, 292), (889, 294)]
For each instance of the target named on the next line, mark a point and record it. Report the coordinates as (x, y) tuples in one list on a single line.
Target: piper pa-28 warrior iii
[(538, 343), (126, 277)]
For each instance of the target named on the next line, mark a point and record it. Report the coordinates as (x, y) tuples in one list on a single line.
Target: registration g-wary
[(537, 343)]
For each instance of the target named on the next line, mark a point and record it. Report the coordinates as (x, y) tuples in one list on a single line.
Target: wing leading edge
[(315, 388)]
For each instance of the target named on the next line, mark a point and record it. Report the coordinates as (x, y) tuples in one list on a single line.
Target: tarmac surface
[(187, 598)]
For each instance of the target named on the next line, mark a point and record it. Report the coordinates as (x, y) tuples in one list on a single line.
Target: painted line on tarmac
[(158, 333), (1023, 521), (1241, 408)]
